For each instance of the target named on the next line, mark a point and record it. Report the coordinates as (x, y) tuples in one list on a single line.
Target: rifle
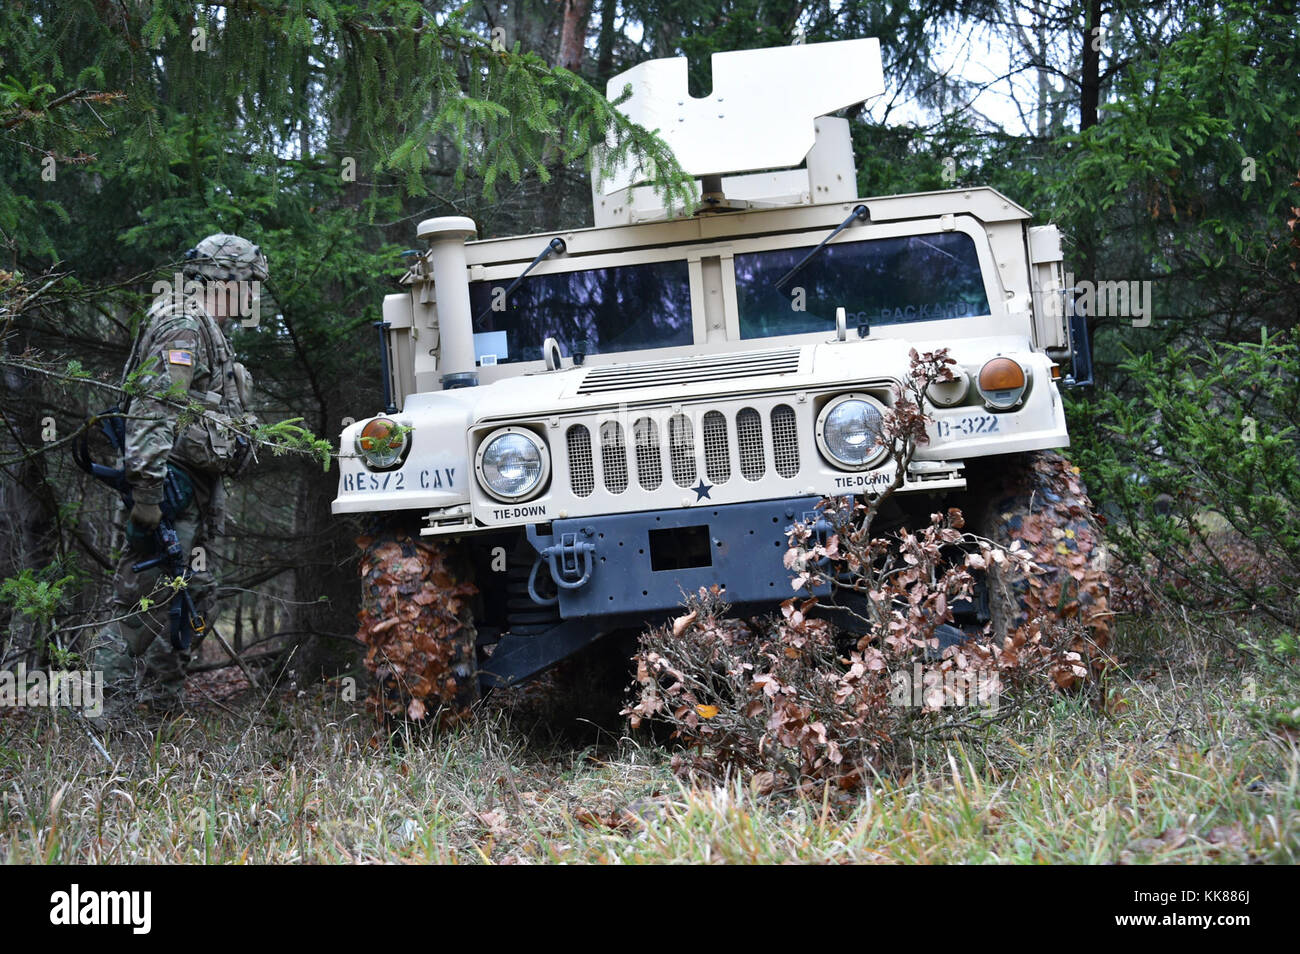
[(185, 621)]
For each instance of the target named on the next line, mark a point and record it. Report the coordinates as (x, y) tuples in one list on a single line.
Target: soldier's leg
[(128, 632), (163, 678), (111, 656), (203, 587)]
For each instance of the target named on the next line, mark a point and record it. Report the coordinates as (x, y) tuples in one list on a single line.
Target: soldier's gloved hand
[(146, 515)]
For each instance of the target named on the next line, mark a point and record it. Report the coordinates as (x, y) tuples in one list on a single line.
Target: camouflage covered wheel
[(1040, 500), (417, 623)]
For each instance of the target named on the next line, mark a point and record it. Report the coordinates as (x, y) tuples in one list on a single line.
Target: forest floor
[(1195, 757)]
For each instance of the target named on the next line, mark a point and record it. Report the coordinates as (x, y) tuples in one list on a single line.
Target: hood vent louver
[(722, 367)]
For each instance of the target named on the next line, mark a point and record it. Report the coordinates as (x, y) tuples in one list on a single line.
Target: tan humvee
[(603, 419)]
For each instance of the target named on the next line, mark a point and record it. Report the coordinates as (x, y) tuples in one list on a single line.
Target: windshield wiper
[(556, 245), (859, 212)]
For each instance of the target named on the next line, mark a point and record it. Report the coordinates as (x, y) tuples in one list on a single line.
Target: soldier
[(183, 358)]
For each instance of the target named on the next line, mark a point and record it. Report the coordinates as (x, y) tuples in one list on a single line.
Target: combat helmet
[(222, 257)]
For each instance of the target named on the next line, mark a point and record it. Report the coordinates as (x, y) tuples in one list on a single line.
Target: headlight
[(512, 463), (949, 393), (1002, 383), (847, 429), (381, 444)]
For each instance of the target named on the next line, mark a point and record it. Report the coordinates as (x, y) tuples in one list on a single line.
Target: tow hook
[(571, 562), (820, 530), (565, 557)]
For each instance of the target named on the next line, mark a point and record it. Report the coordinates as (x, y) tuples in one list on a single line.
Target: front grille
[(613, 457), (582, 476), (649, 456), (717, 453), (749, 439), (785, 440), (690, 444), (681, 449)]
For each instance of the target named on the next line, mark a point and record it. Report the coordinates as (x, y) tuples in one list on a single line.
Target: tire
[(579, 700), (417, 623), (1039, 499), (594, 686)]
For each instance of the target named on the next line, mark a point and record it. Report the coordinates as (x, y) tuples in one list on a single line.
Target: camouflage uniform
[(182, 352)]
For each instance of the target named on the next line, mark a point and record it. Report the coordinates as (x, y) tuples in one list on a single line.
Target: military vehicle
[(584, 425)]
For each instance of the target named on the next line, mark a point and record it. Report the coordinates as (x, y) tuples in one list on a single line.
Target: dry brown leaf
[(1229, 836), (1174, 837), (681, 622)]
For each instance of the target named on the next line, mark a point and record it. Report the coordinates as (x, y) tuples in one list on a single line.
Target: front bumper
[(651, 561)]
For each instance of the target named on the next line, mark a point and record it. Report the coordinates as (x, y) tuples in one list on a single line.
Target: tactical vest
[(205, 444)]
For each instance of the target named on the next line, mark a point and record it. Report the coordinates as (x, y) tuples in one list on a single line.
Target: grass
[(1195, 759)]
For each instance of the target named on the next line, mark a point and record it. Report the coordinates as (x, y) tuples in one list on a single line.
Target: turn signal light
[(1002, 383), (381, 444)]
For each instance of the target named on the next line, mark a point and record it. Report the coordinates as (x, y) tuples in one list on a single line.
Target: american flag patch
[(181, 357)]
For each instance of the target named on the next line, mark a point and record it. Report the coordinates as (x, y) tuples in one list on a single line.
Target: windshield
[(879, 282), (596, 311)]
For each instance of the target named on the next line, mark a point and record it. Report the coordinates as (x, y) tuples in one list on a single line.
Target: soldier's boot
[(162, 684), (111, 655)]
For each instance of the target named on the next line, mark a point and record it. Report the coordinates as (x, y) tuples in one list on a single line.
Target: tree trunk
[(328, 569), (573, 34), (1090, 76), (24, 509), (1089, 101), (1040, 51), (605, 42)]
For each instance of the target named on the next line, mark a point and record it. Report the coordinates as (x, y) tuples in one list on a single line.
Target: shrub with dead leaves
[(827, 691)]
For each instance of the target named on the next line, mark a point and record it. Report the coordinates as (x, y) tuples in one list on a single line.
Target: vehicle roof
[(984, 203)]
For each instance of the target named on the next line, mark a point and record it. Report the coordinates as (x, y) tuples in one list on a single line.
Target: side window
[(596, 311), (880, 282)]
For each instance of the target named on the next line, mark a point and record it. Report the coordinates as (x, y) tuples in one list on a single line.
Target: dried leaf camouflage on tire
[(1045, 506), (416, 622)]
